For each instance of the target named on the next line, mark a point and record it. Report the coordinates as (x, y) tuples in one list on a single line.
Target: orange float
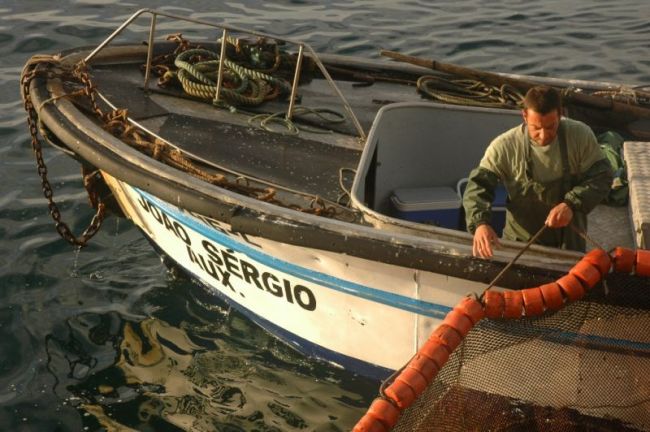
[(401, 393), (426, 366), (414, 379), (599, 259), (472, 308), (588, 274), (448, 337), (552, 295), (435, 351), (571, 287), (533, 301), (624, 260), (384, 411), (458, 321), (513, 304), (380, 417), (494, 304), (642, 263), (368, 423)]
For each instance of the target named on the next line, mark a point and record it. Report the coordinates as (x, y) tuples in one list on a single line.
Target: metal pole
[(222, 60), (114, 34), (302, 45), (510, 264), (346, 104), (294, 87), (147, 71)]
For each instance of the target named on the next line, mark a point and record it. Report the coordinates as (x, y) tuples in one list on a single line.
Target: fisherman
[(554, 173)]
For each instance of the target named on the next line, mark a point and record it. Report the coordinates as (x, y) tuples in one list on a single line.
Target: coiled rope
[(197, 73), (325, 114), (247, 81), (469, 92)]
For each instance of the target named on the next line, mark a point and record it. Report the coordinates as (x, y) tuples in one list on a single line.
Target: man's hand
[(559, 216), (484, 240)]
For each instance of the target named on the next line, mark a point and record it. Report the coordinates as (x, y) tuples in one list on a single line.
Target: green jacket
[(572, 169)]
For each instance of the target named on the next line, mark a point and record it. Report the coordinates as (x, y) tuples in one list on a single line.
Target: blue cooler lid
[(429, 198)]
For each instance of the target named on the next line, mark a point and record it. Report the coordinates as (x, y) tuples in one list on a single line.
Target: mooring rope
[(292, 128), (198, 73), (469, 92), (197, 70)]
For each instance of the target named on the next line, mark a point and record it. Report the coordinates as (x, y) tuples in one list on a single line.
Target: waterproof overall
[(530, 201)]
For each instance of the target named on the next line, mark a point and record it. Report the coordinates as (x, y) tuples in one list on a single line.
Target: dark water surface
[(107, 338)]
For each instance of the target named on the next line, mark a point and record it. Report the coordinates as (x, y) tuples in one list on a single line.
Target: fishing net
[(585, 367)]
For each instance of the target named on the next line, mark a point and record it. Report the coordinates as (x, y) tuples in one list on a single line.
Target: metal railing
[(302, 46)]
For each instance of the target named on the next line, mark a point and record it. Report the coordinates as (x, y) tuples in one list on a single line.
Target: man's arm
[(477, 201), (593, 186), (478, 197)]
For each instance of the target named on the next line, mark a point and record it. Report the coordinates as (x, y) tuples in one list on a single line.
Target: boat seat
[(637, 159)]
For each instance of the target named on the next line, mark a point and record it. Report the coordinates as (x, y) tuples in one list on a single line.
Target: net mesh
[(583, 368)]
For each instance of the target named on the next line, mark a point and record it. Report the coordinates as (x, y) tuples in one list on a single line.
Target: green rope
[(279, 117), (244, 86), (198, 71), (253, 52)]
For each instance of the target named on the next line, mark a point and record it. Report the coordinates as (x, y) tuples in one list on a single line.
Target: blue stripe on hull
[(387, 298)]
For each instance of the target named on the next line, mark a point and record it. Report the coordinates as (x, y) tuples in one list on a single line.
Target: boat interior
[(316, 149), (425, 151), (413, 144), (425, 145), (314, 160)]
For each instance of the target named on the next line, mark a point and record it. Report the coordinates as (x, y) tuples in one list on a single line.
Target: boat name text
[(223, 264)]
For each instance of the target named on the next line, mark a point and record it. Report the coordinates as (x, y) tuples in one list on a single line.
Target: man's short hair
[(543, 99)]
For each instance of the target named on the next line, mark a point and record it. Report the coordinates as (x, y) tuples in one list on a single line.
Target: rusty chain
[(29, 73), (116, 122)]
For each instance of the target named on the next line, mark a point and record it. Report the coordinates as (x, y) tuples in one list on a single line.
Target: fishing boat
[(318, 194)]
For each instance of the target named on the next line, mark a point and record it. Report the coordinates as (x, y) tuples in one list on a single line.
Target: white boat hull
[(366, 316)]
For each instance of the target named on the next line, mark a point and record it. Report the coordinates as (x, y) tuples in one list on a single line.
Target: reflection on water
[(151, 375)]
